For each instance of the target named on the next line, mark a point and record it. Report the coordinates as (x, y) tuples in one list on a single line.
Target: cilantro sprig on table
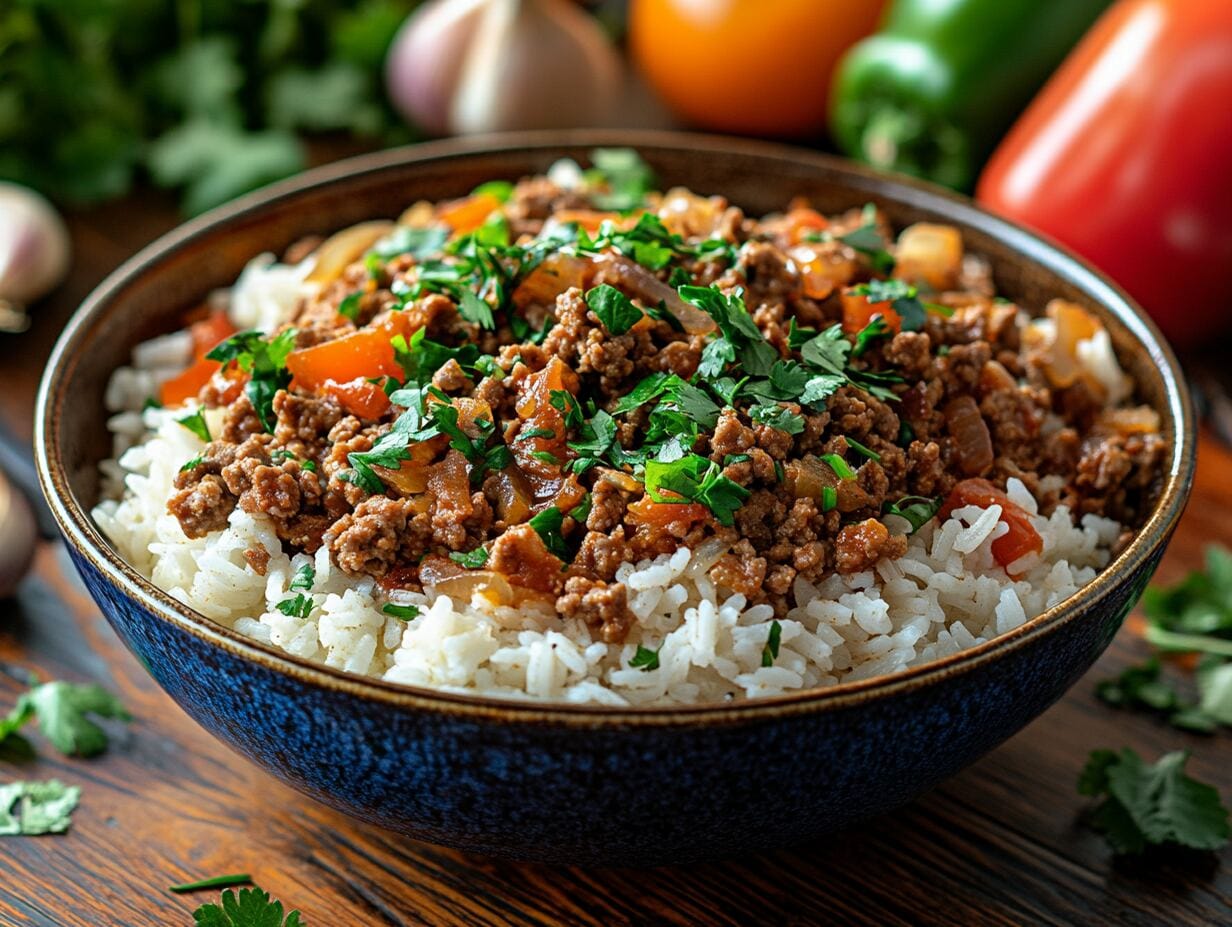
[(63, 711), (251, 907), (1147, 805)]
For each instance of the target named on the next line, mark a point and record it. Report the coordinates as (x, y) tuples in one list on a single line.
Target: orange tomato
[(1021, 539), (858, 312), (206, 334), (747, 66), (359, 397), (359, 355)]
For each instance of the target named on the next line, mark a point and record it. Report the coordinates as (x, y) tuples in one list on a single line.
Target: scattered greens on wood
[(63, 711), (41, 807), (1152, 805), (222, 881), (252, 907), (208, 97)]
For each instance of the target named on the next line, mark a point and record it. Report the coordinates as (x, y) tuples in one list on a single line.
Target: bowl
[(582, 784)]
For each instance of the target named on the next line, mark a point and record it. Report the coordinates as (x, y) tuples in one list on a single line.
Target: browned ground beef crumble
[(975, 400)]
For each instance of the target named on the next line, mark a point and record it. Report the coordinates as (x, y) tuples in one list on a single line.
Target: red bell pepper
[(1125, 154)]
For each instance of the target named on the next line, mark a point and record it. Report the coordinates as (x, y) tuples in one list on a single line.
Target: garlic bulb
[(466, 66), (34, 247)]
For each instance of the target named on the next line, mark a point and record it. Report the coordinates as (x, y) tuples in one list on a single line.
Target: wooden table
[(999, 844)]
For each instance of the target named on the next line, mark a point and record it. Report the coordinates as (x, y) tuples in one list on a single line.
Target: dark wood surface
[(999, 844)]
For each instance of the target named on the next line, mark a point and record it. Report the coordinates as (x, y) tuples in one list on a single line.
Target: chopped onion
[(970, 432), (342, 249), (34, 246)]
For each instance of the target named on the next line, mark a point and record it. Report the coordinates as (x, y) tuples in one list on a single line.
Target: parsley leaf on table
[(1152, 805), (42, 807), (252, 907), (62, 710)]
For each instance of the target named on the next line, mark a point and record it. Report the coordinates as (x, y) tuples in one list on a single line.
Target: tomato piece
[(360, 355), (676, 517), (803, 221), (858, 312), (206, 335), (468, 214), (359, 397), (1021, 539)]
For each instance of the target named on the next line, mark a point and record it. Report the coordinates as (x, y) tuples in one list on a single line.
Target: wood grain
[(999, 844)]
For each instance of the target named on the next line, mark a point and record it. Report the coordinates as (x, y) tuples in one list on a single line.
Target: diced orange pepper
[(359, 397), (858, 312), (206, 334), (1021, 539), (468, 214), (803, 221), (360, 355)]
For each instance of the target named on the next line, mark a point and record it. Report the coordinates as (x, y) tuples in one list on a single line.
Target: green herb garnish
[(472, 560), (696, 479), (63, 711), (1152, 805), (252, 907), (42, 807), (626, 176), (645, 659), (401, 612), (917, 510), (547, 525), (196, 423), (615, 310), (264, 362), (770, 652)]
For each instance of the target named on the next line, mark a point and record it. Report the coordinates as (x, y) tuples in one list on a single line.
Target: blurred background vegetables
[(34, 252), (933, 90), (747, 66), (464, 66), (1124, 156)]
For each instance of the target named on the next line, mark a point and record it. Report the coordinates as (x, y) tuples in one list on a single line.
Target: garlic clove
[(34, 245), (18, 536), (535, 64)]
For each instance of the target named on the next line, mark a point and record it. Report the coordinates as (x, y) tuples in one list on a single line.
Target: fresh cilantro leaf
[(297, 606), (875, 329), (595, 437), (475, 310), (547, 525), (265, 362), (42, 807), (626, 176), (401, 612), (649, 388), (472, 560), (756, 355), (252, 907), (502, 190), (696, 479), (918, 510), (527, 434), (645, 659), (349, 307), (902, 297), (196, 423), (777, 416), (191, 463), (303, 579), (63, 710), (1152, 805), (615, 310), (420, 357), (868, 241), (770, 652)]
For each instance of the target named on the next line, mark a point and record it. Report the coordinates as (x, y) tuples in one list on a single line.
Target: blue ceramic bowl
[(585, 784)]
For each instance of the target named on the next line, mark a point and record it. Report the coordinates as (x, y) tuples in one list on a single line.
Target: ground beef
[(544, 428)]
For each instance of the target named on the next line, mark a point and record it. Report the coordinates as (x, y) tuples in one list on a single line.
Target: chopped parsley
[(547, 525), (1150, 805), (777, 416), (349, 307), (303, 579), (527, 434), (917, 510), (420, 358), (472, 560), (615, 310), (501, 190), (42, 807), (196, 423), (264, 362), (902, 296), (401, 612), (645, 659), (297, 606), (770, 652), (191, 463), (650, 244), (696, 479), (417, 242), (626, 178), (868, 241)]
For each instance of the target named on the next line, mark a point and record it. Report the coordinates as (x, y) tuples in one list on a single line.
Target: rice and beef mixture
[(534, 410)]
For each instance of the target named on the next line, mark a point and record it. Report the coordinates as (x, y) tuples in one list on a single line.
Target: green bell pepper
[(937, 87)]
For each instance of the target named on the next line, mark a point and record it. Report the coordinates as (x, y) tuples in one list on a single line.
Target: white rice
[(946, 594)]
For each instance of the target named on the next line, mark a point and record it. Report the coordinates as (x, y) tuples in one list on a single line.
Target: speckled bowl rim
[(81, 532)]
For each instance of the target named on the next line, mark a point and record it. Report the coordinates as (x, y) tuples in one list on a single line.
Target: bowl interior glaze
[(148, 295)]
